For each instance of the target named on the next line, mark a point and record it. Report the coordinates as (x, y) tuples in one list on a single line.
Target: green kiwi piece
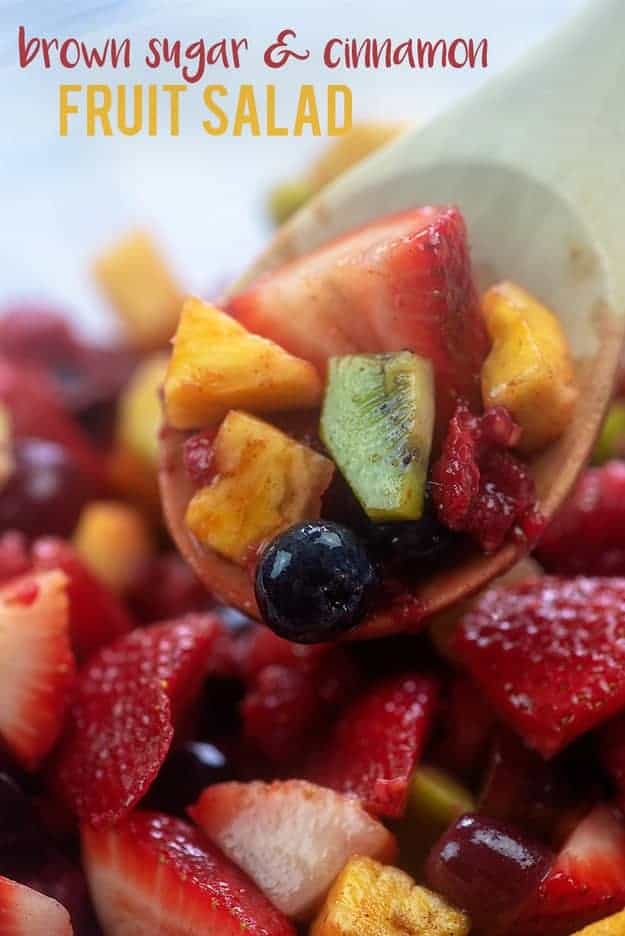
[(377, 423)]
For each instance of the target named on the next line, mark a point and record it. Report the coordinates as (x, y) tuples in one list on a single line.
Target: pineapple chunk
[(264, 482), (146, 297), (139, 413), (217, 365), (113, 539), (370, 899), (529, 369), (609, 926)]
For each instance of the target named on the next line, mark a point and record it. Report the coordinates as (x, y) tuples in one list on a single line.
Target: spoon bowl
[(534, 161)]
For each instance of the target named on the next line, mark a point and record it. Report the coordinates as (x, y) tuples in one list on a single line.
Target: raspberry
[(550, 655), (198, 457), (588, 534), (479, 487)]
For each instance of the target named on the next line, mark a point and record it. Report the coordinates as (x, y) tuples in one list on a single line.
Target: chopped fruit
[(139, 413), (25, 912), (217, 366), (156, 874), (529, 369), (377, 423), (36, 665), (523, 644), (314, 581), (479, 487), (587, 536), (45, 490), (587, 880), (609, 926), (198, 457), (369, 899), (264, 482), (96, 615), (337, 156), (488, 869), (377, 741), (409, 278), (128, 699), (113, 540), (261, 827), (134, 277)]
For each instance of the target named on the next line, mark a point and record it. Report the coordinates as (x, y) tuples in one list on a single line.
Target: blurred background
[(64, 199)]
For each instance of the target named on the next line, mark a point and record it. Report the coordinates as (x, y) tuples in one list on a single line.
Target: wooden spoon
[(535, 161)]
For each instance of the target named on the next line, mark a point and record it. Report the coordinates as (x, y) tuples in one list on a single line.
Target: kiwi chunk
[(377, 422)]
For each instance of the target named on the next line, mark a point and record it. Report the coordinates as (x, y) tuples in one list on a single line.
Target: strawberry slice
[(587, 880), (155, 874), (550, 655), (36, 665), (129, 698), (261, 827), (96, 616), (377, 742), (26, 912), (401, 282)]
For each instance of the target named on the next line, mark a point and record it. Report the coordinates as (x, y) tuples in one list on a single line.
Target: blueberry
[(314, 581)]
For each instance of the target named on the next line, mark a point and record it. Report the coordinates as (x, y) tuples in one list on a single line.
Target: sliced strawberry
[(550, 655), (401, 282), (36, 665), (96, 615), (155, 874), (587, 881), (291, 837), (377, 742), (129, 698), (26, 912)]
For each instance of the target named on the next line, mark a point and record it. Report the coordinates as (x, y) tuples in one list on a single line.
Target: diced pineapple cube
[(529, 369), (264, 482), (113, 539), (217, 365), (371, 899), (139, 413), (143, 292), (609, 926)]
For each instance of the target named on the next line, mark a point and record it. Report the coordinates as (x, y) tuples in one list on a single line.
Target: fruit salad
[(358, 419), (336, 432)]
